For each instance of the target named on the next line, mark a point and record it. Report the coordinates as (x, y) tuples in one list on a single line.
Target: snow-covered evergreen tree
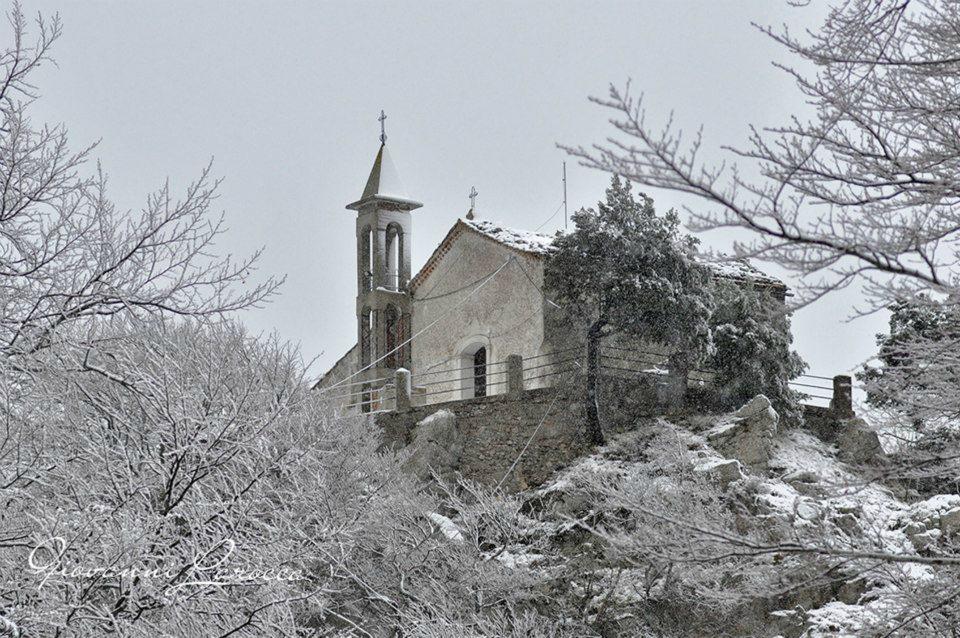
[(916, 360), (627, 270), (751, 349)]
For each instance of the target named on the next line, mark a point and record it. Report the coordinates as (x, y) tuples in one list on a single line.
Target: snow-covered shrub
[(751, 350)]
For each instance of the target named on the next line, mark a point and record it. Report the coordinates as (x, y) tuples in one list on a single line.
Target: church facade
[(477, 300)]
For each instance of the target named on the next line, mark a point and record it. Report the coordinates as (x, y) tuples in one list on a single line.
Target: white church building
[(477, 300)]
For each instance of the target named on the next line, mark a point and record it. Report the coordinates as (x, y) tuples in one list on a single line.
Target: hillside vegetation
[(659, 533)]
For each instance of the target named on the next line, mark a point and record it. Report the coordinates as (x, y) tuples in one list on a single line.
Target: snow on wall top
[(740, 269), (539, 244)]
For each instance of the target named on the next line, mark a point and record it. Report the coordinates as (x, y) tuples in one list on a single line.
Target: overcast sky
[(284, 96)]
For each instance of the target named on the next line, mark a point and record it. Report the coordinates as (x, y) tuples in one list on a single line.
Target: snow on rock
[(858, 442), (747, 434), (436, 447), (928, 521), (842, 620), (797, 489), (866, 510), (447, 527), (801, 457), (517, 560), (726, 471), (935, 507)]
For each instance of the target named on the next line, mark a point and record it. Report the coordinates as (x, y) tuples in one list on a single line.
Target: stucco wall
[(348, 393), (344, 367), (505, 315)]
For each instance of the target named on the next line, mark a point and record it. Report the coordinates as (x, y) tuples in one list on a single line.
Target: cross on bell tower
[(383, 127)]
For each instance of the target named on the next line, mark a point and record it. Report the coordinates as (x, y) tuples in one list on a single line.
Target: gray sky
[(285, 95)]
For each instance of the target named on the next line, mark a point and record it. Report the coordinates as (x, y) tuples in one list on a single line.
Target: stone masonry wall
[(493, 431), (481, 438)]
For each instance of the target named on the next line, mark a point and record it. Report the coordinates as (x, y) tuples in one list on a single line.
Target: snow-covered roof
[(539, 244), (738, 269), (522, 240), (384, 183)]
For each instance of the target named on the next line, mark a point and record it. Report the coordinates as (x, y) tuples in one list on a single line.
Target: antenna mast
[(564, 195)]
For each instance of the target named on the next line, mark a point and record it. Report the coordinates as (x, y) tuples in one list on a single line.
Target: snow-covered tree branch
[(865, 189)]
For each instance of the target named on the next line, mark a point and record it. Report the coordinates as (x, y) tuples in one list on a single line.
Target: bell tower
[(383, 269)]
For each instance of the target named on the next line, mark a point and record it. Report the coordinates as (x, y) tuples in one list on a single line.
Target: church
[(477, 300)]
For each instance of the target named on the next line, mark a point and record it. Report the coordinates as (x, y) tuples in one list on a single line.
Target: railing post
[(514, 375), (842, 402), (402, 384)]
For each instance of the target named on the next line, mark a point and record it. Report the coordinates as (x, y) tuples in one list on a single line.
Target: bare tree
[(67, 254), (162, 472), (867, 188), (80, 283), (864, 190)]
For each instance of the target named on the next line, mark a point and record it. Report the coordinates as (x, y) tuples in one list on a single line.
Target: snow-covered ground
[(804, 493)]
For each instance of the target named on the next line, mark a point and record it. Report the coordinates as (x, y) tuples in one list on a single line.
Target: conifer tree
[(751, 352), (626, 270)]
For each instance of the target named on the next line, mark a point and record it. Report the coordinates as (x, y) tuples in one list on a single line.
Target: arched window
[(366, 399), (394, 264), (366, 259), (366, 321), (392, 325), (474, 359), (480, 372)]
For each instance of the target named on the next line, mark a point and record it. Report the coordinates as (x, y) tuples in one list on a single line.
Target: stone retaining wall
[(493, 430), (481, 438)]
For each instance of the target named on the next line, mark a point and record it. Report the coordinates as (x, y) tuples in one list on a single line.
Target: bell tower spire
[(384, 233)]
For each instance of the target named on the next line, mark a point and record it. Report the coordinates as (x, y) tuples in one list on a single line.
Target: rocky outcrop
[(436, 447), (858, 442), (748, 434), (929, 521), (724, 471)]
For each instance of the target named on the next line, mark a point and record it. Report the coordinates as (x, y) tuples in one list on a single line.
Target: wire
[(549, 374), (452, 292), (552, 363), (541, 291), (427, 327), (807, 385), (549, 218), (489, 365), (814, 376), (535, 430)]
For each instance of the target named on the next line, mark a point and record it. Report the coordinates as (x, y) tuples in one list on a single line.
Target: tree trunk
[(594, 431), (679, 375)]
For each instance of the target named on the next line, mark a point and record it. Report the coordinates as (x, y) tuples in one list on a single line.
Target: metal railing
[(544, 370), (461, 382), (623, 362)]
